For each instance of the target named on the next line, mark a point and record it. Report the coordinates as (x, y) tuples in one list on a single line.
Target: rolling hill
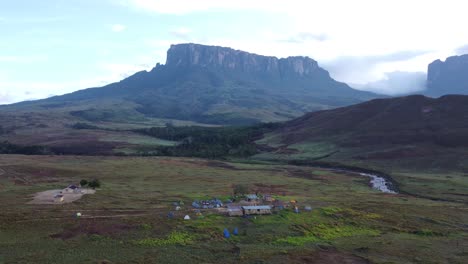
[(403, 120), (413, 131), (420, 141)]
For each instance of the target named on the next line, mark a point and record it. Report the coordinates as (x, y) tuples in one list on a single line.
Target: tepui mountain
[(212, 85)]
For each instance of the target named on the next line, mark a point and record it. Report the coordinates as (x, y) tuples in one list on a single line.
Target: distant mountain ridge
[(214, 85), (448, 77)]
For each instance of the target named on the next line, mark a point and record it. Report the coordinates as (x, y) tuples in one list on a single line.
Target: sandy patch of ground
[(49, 197)]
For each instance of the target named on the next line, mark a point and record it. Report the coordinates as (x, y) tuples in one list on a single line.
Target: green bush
[(94, 183), (83, 182), (240, 189)]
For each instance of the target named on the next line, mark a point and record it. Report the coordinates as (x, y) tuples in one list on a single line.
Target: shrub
[(83, 183), (240, 189), (94, 183)]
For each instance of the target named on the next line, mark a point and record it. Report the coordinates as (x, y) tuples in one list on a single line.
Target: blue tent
[(170, 215), (226, 233), (235, 232)]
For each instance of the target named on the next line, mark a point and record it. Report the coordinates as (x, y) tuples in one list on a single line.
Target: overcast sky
[(52, 47)]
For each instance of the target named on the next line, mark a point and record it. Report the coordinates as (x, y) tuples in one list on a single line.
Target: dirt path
[(87, 217)]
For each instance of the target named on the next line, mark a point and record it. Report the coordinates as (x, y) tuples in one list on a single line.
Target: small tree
[(94, 183), (83, 183), (240, 189)]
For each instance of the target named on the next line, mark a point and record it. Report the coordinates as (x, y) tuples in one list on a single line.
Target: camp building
[(234, 210), (256, 210)]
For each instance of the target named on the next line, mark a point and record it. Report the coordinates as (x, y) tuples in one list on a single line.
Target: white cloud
[(118, 28), (397, 83), (330, 29)]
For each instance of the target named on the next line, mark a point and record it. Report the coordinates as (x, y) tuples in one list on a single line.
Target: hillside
[(421, 142), (208, 84), (403, 120), (413, 131)]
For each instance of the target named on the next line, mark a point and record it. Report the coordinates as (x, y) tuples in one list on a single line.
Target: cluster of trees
[(240, 189), (9, 148), (95, 183), (207, 142)]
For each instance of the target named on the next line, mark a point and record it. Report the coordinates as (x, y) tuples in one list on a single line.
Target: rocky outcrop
[(449, 77), (183, 55)]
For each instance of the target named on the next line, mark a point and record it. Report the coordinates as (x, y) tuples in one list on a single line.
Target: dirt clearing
[(59, 196)]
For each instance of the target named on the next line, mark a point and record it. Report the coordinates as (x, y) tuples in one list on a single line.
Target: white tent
[(187, 217)]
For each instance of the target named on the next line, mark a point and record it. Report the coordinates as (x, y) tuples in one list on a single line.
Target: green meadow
[(127, 221)]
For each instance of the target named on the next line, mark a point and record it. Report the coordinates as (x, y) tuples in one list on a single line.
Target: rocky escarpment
[(235, 60), (449, 77)]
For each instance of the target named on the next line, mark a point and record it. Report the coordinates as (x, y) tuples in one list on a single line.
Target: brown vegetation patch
[(328, 256), (287, 151), (398, 154), (180, 163), (298, 173), (26, 175), (270, 188), (20, 181), (93, 227), (219, 164)]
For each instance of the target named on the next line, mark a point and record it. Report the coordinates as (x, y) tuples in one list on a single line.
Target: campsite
[(127, 219)]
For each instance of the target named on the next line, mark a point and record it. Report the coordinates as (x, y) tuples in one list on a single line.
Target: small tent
[(186, 217), (226, 233)]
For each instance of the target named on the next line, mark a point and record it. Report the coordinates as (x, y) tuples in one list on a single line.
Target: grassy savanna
[(419, 169), (126, 220)]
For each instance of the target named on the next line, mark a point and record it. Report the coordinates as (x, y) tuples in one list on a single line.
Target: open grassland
[(424, 170), (126, 220)]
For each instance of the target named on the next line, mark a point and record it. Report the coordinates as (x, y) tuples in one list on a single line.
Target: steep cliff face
[(185, 55), (449, 77)]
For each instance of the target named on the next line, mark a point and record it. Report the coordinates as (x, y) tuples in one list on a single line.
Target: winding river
[(379, 183), (376, 182)]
